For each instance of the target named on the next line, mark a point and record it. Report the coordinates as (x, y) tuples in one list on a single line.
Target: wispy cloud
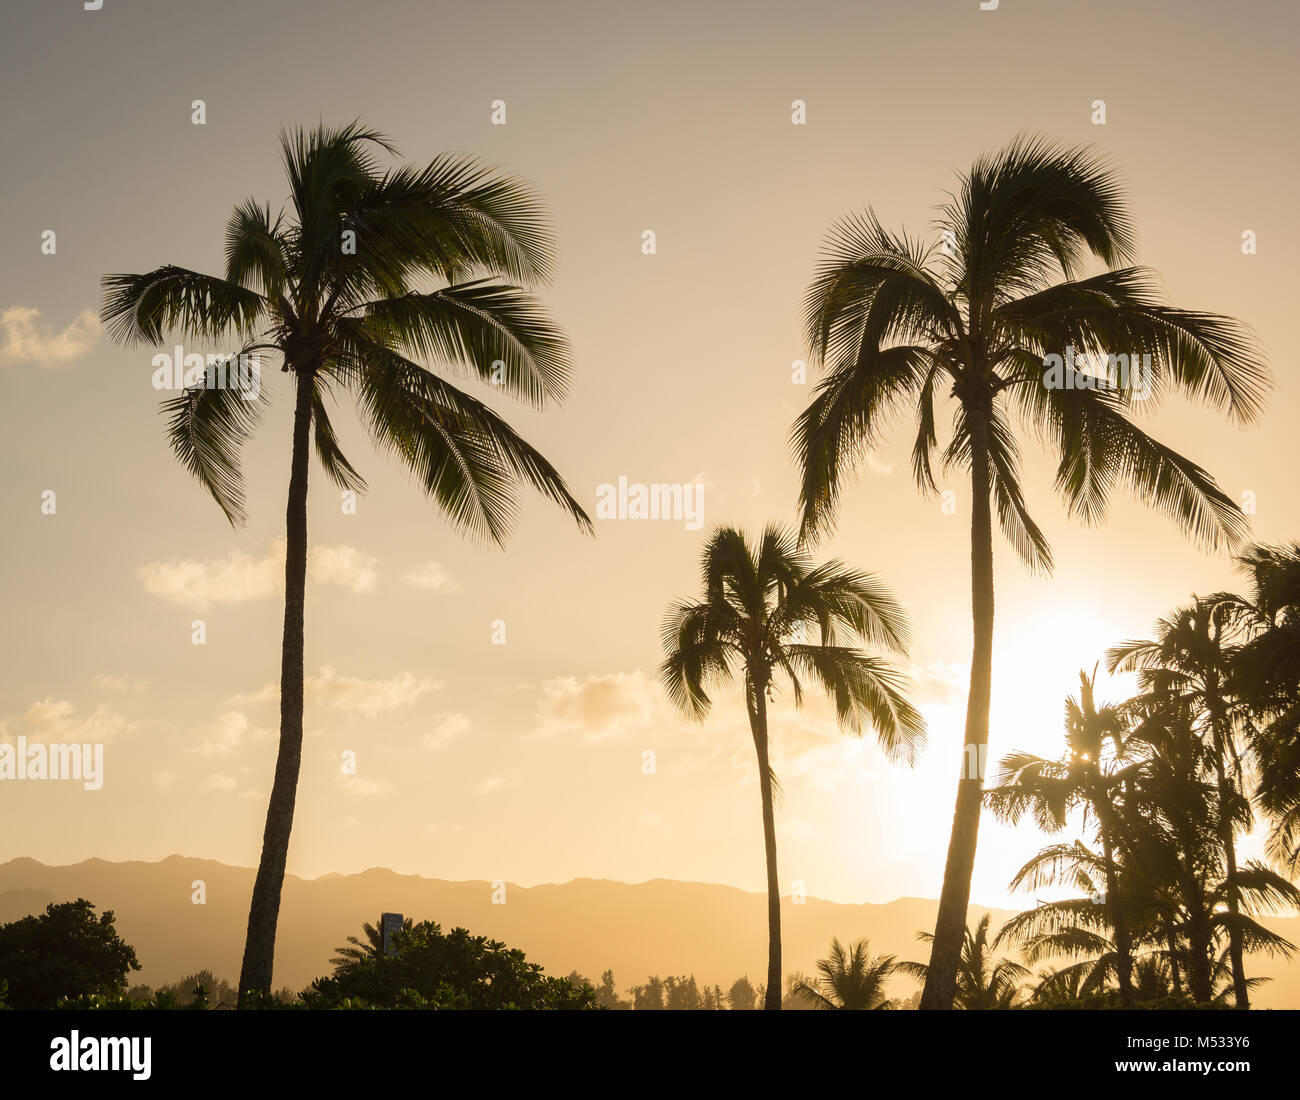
[(358, 786), (431, 577), (367, 697), (494, 783), (351, 694), (598, 707), (57, 721), (23, 338), (239, 577), (447, 727), (342, 566), (229, 734)]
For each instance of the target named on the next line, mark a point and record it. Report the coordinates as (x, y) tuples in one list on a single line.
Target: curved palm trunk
[(264, 912), (758, 725), (950, 924)]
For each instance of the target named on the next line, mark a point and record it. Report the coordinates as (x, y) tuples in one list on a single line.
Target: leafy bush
[(1111, 1000), (64, 953), (430, 970)]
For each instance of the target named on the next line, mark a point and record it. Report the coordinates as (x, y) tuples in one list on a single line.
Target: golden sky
[(523, 761)]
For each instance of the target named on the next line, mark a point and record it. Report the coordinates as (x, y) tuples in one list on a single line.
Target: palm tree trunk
[(1240, 991), (1118, 920), (1173, 962), (950, 924), (1199, 980), (264, 912), (758, 724)]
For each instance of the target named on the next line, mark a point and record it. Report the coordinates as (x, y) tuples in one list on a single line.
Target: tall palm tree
[(1186, 669), (851, 979), (1088, 778), (983, 982), (898, 323), (760, 606), (367, 272)]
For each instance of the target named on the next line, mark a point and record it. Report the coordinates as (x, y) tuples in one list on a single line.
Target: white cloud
[(430, 576), (599, 706), (239, 577), (350, 693), (447, 729), (236, 578), (57, 721), (216, 782), (342, 566), (360, 787), (231, 732), (367, 697), (24, 339), (495, 783), (265, 694)]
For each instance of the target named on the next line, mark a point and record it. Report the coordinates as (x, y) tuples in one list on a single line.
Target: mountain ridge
[(661, 926)]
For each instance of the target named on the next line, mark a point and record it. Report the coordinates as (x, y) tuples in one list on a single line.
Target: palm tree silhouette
[(333, 289), (1087, 778), (983, 982), (1266, 673), (1078, 929), (897, 323), (1180, 852), (760, 605), (355, 950), (1186, 669), (850, 979)]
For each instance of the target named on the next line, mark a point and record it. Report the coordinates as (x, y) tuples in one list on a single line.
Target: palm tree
[(760, 604), (982, 981), (850, 979), (897, 323), (1266, 674), (354, 950), (1077, 928), (339, 289), (1064, 984), (1186, 669), (1180, 850), (1088, 778)]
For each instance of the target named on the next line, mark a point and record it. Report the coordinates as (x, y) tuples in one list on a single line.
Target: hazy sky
[(523, 761)]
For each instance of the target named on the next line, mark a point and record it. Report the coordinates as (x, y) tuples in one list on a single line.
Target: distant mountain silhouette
[(659, 927)]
